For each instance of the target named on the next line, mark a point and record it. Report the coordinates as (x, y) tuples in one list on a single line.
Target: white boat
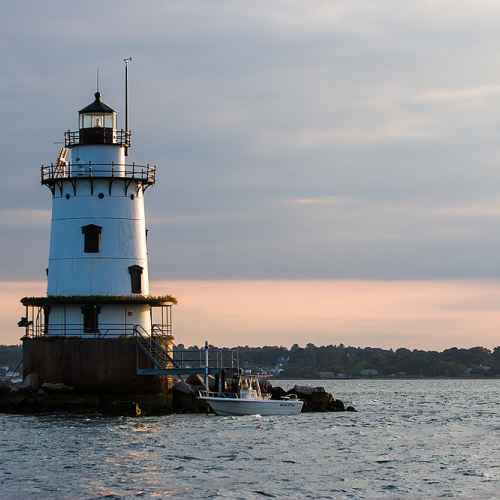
[(250, 401)]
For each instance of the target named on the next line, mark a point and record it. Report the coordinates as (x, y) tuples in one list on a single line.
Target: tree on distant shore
[(10, 355), (314, 361)]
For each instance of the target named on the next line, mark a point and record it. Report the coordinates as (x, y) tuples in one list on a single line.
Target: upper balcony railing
[(50, 174), (37, 322), (97, 135)]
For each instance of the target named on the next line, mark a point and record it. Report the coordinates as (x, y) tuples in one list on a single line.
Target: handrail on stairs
[(151, 347)]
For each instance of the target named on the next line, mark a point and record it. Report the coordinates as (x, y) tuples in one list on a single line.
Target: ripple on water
[(414, 439)]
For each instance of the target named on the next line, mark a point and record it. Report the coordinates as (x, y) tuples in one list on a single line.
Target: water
[(410, 439)]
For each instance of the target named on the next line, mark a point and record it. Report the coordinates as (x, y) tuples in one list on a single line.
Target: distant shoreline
[(493, 377), (340, 362)]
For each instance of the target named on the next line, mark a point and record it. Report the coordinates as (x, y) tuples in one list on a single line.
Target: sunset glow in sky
[(421, 314), (327, 171)]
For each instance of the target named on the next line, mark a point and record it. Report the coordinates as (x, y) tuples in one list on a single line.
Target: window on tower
[(90, 318), (97, 120), (136, 278), (91, 238)]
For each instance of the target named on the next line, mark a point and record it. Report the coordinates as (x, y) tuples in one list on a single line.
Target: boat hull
[(237, 407)]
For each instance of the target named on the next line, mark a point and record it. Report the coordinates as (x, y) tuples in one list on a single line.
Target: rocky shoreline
[(30, 399)]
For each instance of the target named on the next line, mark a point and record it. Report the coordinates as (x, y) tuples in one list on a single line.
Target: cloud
[(460, 94), (24, 217), (389, 132), (474, 210), (340, 139), (319, 200)]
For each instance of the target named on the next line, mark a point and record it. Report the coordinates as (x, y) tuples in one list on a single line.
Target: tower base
[(105, 369)]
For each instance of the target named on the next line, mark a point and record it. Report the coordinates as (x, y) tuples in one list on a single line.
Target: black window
[(90, 318), (91, 238), (136, 278)]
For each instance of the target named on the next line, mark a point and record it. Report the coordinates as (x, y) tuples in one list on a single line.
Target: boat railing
[(211, 394)]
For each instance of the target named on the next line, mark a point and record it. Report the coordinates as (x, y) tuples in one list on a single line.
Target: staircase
[(151, 346), (163, 363), (61, 165)]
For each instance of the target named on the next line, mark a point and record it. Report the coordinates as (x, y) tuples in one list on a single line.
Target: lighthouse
[(98, 325)]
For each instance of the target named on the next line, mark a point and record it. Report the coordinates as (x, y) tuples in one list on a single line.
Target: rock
[(337, 405), (185, 400), (195, 379), (277, 392), (305, 390), (15, 388), (316, 399), (31, 381), (6, 387), (57, 387), (302, 390), (184, 387), (321, 401)]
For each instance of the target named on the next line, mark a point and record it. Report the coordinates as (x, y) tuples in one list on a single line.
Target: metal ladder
[(152, 348)]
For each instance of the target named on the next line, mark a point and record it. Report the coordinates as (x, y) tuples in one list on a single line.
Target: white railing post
[(206, 365)]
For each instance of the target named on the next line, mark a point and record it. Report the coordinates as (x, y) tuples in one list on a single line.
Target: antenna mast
[(126, 61)]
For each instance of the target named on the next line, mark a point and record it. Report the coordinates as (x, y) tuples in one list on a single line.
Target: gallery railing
[(97, 135), (38, 328), (131, 171)]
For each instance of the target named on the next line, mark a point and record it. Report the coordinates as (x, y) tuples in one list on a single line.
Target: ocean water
[(410, 439)]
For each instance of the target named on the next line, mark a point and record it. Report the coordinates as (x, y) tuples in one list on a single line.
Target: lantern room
[(97, 125), (97, 115)]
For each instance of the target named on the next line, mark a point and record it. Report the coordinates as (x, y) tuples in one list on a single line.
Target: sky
[(318, 161)]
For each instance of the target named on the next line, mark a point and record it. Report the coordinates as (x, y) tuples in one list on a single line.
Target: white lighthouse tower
[(98, 280), (98, 236)]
